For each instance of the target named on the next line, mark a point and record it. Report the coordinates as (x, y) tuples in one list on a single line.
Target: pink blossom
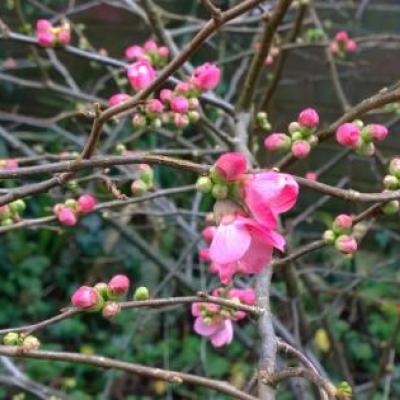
[(334, 48), (242, 245), (208, 233), (180, 104), (86, 298), (377, 131), (204, 254), (277, 141), (311, 175), (45, 39), (118, 285), (86, 203), (246, 296), (308, 118), (348, 134), (43, 25), (301, 148), (342, 36), (230, 166), (351, 46), (66, 216), (346, 244), (150, 45), (166, 95), (11, 164), (206, 77), (134, 53), (163, 52), (270, 194), (141, 74), (155, 106), (219, 331), (118, 98)]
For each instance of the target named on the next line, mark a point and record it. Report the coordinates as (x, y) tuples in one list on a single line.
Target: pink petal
[(224, 335), (204, 329)]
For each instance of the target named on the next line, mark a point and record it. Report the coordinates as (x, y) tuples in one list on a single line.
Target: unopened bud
[(111, 309), (204, 184), (11, 339), (329, 237), (120, 148), (366, 149), (30, 343), (219, 191), (17, 206), (346, 244), (101, 288), (141, 293), (394, 167), (342, 224), (390, 182), (138, 187), (294, 127), (71, 203), (391, 207)]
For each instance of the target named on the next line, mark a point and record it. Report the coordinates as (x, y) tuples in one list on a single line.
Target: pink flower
[(150, 45), (66, 216), (11, 164), (86, 203), (348, 134), (308, 118), (141, 74), (311, 175), (163, 52), (43, 25), (334, 48), (204, 254), (206, 77), (64, 36), (351, 46), (246, 296), (118, 285), (242, 245), (118, 98), (342, 36), (155, 106), (45, 39), (208, 233), (220, 331), (269, 194), (86, 298), (301, 148), (166, 95), (346, 244), (134, 53), (277, 141), (180, 104), (377, 131), (230, 166)]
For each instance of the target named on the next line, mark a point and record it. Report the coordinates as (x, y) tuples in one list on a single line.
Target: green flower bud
[(394, 167), (329, 237), (366, 149), (71, 203), (297, 136), (11, 339), (204, 184), (30, 343), (120, 148), (138, 187), (219, 191), (358, 123), (294, 127), (17, 206), (391, 207), (390, 182), (101, 287), (7, 222), (141, 293)]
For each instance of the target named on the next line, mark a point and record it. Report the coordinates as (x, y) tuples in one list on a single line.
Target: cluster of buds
[(362, 138), (150, 51), (214, 321), (341, 234), (262, 121), (9, 164), (391, 181), (25, 343), (48, 35), (145, 180), (11, 213), (102, 297), (301, 137), (68, 212), (342, 45), (223, 180)]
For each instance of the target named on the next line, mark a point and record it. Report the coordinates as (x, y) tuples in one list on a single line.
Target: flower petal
[(204, 329), (224, 335)]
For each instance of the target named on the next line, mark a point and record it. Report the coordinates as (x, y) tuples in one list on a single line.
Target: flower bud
[(118, 286), (204, 184), (391, 207), (300, 148), (101, 288), (208, 233), (394, 167), (194, 116), (294, 127), (118, 99), (348, 135), (141, 294), (297, 135), (351, 46), (277, 141), (11, 339), (342, 223), (141, 74), (219, 191), (5, 212), (366, 149), (87, 298), (30, 343), (86, 203), (377, 131), (308, 118), (179, 104), (111, 309), (17, 206), (181, 120), (359, 123), (139, 121), (194, 103), (390, 182), (204, 254), (7, 222), (346, 244), (154, 106), (230, 166), (206, 77), (66, 216), (311, 175), (120, 148), (166, 95), (71, 203), (329, 237), (146, 174)]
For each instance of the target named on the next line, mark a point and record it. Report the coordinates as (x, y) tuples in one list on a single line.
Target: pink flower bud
[(308, 118), (118, 286), (118, 98), (348, 134), (194, 103), (11, 164), (204, 254), (277, 141), (134, 53), (394, 167), (150, 45), (111, 309), (377, 131), (139, 121), (268, 60), (138, 187), (43, 25), (230, 166), (351, 46), (181, 120), (208, 233), (206, 77), (301, 148), (180, 104), (342, 36), (311, 175), (274, 51), (86, 203), (346, 244), (182, 87), (166, 95), (86, 298), (141, 74), (334, 48), (155, 106), (163, 52), (64, 36), (66, 216), (343, 222), (45, 39)]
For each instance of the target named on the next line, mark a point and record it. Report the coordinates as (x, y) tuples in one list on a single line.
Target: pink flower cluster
[(247, 215), (67, 213), (145, 180), (48, 35), (102, 296), (361, 138), (342, 44), (150, 51), (340, 234), (11, 213), (215, 321), (301, 137)]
